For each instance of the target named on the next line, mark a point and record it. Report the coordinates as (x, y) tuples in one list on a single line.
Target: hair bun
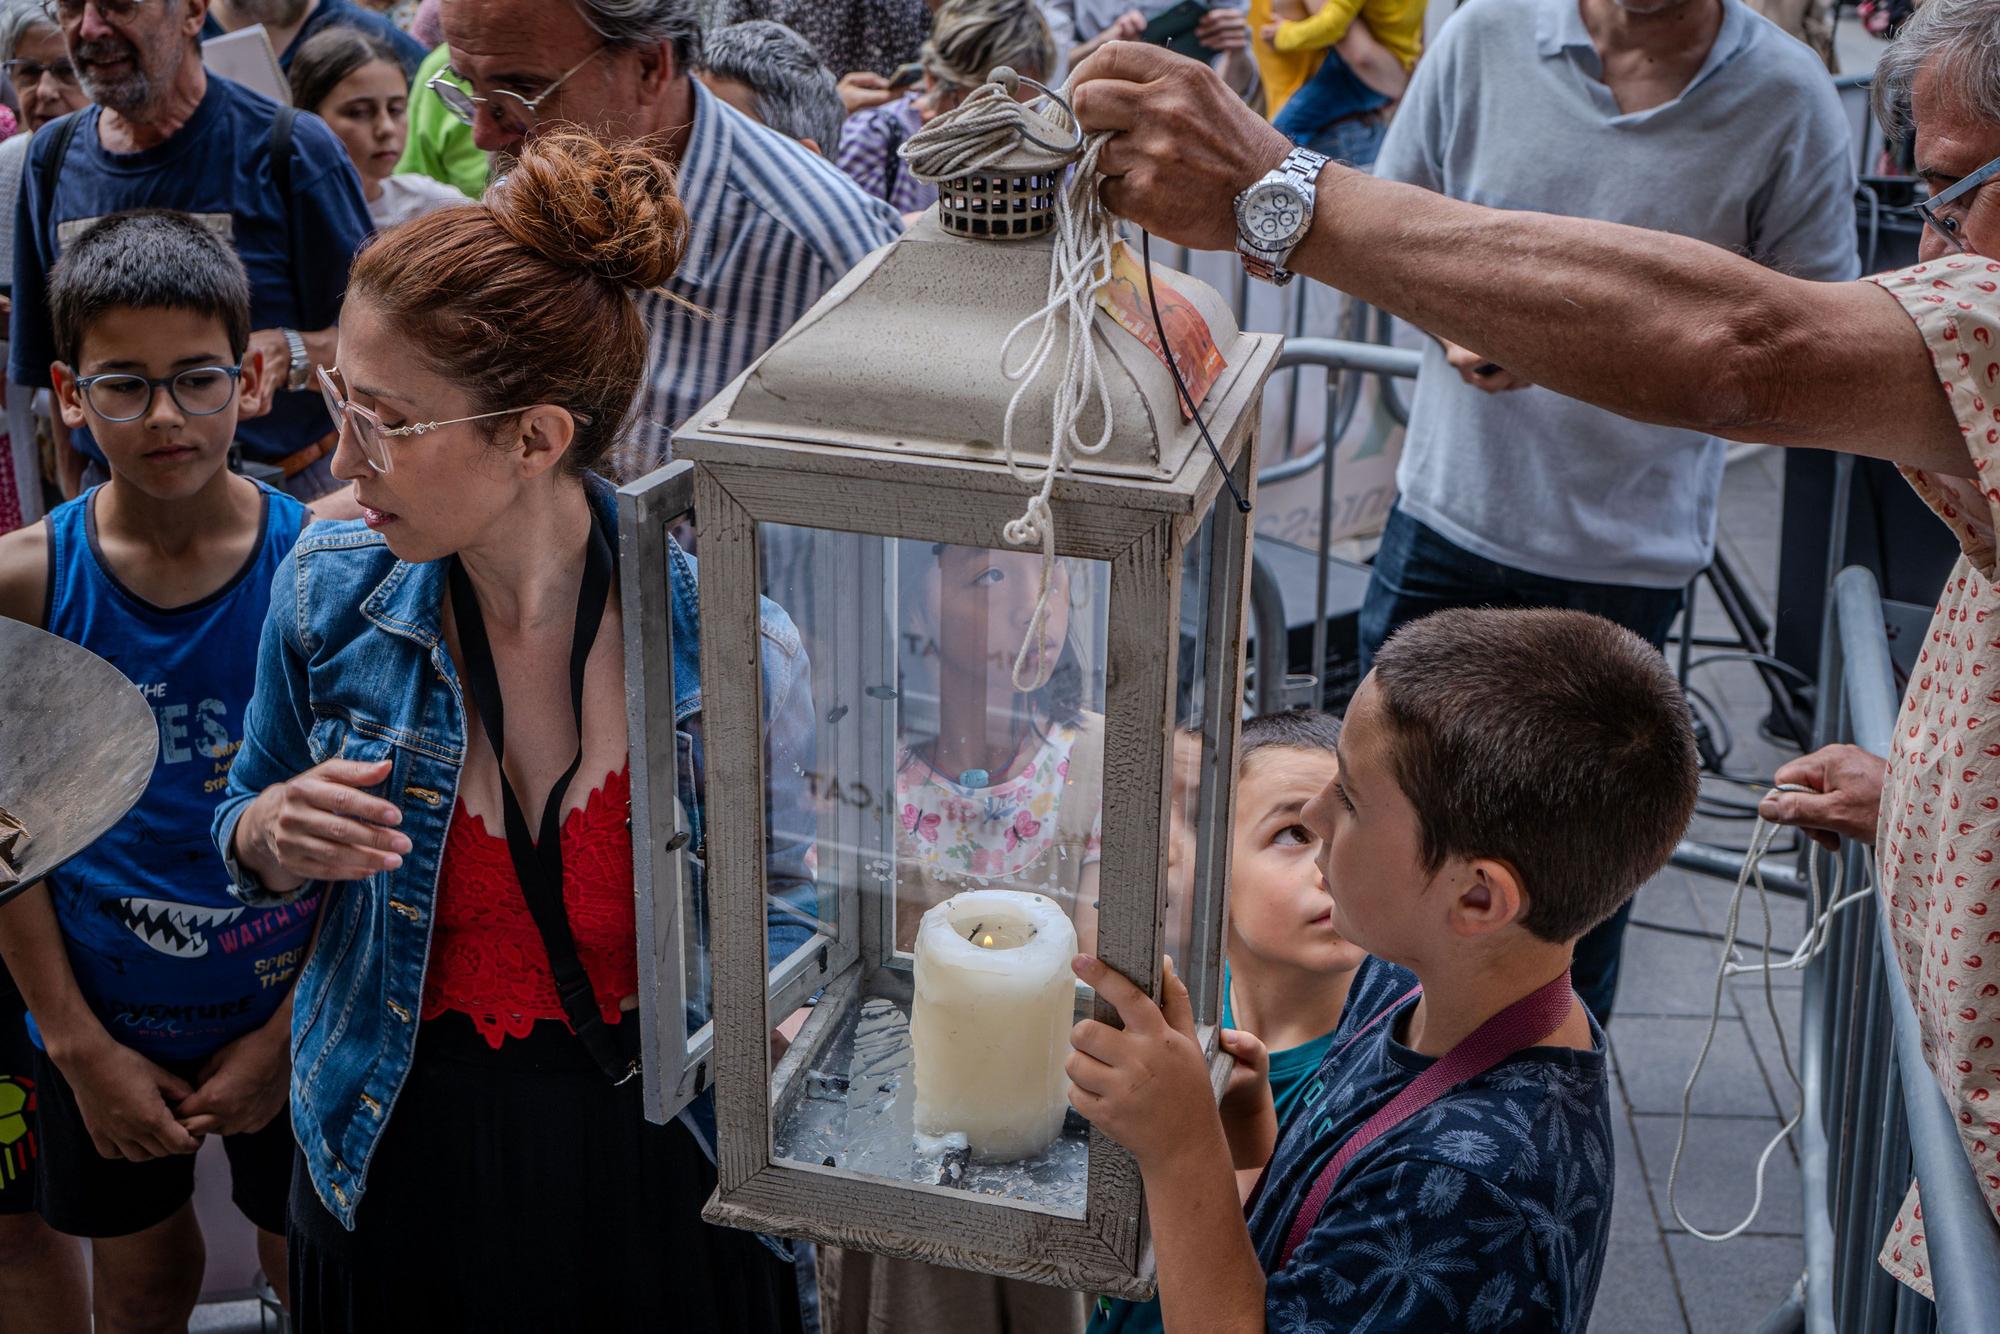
[(610, 209)]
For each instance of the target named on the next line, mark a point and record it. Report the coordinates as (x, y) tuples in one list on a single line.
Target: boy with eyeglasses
[(275, 184), (160, 1005)]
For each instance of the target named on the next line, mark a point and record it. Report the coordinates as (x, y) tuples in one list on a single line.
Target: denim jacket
[(352, 665)]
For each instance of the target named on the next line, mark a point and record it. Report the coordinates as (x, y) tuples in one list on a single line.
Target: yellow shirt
[(1283, 72), (1397, 24)]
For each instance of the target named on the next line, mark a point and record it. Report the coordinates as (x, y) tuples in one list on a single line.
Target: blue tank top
[(171, 964)]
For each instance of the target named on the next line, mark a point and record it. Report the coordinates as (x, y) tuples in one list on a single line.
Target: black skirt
[(517, 1189)]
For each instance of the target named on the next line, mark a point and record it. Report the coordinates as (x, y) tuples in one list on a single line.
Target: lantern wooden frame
[(1141, 529)]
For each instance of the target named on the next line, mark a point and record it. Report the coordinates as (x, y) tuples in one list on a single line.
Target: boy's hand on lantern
[(1146, 1084), (1249, 1117)]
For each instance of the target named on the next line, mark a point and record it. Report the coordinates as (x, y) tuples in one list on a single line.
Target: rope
[(1808, 949), (988, 127)]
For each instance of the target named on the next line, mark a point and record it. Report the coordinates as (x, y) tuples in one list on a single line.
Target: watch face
[(1273, 216)]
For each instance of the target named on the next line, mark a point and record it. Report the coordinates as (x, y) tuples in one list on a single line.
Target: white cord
[(1808, 949), (983, 130)]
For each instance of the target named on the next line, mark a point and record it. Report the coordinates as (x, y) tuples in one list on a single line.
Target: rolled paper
[(995, 1001)]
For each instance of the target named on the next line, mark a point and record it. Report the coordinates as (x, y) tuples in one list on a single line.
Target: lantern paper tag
[(1124, 300)]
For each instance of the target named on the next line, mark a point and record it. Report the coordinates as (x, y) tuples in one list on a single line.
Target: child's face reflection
[(985, 607)]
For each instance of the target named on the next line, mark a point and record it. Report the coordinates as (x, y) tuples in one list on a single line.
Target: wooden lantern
[(852, 477)]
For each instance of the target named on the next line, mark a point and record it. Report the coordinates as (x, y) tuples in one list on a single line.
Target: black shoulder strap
[(281, 152), (64, 132), (893, 169), (281, 177)]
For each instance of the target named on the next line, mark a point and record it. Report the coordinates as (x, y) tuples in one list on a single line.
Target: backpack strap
[(281, 152), (282, 125), (64, 132)]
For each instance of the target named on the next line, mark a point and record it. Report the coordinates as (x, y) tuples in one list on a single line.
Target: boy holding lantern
[(1507, 779), (1289, 967)]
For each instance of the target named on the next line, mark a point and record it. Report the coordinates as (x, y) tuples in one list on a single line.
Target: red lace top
[(487, 959)]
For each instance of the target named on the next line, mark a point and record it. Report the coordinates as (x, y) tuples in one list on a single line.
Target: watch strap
[(301, 366)]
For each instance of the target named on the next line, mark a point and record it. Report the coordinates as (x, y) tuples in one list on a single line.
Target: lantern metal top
[(902, 357), (1015, 197)]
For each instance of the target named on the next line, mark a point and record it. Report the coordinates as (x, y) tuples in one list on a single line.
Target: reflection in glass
[(958, 694), (1000, 756)]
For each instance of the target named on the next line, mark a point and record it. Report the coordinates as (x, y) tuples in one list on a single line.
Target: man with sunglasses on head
[(165, 133), (1665, 329), (774, 225)]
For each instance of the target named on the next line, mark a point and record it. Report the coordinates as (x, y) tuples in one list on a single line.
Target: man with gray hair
[(773, 225), (770, 74), (165, 133), (1689, 116)]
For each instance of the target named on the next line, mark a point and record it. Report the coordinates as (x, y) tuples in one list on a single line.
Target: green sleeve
[(440, 144)]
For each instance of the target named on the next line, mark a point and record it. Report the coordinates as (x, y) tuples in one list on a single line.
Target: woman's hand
[(124, 1100), (864, 89), (321, 826), (1845, 799), (1223, 30)]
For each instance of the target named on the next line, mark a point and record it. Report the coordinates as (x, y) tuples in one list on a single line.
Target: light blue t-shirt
[(1508, 109)]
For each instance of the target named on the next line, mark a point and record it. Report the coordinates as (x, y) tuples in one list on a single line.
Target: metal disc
[(77, 746)]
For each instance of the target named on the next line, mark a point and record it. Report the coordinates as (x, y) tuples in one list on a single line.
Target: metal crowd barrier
[(1345, 362), (1874, 1114)]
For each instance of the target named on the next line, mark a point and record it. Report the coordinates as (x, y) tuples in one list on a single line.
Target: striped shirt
[(868, 144), (773, 225)]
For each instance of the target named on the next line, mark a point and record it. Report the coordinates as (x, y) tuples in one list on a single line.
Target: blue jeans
[(1417, 571)]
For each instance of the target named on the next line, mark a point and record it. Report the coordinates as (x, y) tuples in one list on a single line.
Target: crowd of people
[(314, 414)]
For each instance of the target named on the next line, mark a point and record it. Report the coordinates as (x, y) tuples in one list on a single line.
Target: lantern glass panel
[(1187, 847), (959, 748)]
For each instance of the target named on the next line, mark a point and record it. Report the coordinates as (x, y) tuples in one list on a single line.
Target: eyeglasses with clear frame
[(21, 73), (1945, 212), (122, 396), (373, 437), (512, 112), (68, 11)]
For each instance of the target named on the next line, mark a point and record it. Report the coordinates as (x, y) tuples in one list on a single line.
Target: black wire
[(1160, 326)]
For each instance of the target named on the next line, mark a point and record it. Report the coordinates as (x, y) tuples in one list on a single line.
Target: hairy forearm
[(1649, 325), (31, 942), (1210, 1280)]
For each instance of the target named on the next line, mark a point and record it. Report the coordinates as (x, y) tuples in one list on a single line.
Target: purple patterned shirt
[(867, 153)]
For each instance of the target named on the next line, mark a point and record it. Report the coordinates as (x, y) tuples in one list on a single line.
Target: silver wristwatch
[(1275, 214), (301, 368)]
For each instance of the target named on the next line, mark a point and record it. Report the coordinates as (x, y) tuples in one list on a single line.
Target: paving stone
[(1719, 1171), (1656, 1053), (1733, 1286), (1637, 1293), (1664, 973), (1637, 1290)]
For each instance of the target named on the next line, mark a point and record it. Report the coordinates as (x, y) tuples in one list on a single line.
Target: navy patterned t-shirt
[(1488, 1210)]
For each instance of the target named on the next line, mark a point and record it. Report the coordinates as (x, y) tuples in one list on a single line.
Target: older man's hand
[(1844, 800), (1183, 145)]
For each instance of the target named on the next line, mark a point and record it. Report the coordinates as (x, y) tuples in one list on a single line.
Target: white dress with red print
[(1939, 833)]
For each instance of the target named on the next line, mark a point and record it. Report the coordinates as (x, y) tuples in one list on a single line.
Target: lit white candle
[(995, 1000)]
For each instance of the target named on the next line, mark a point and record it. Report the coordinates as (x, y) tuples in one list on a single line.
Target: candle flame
[(986, 941)]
